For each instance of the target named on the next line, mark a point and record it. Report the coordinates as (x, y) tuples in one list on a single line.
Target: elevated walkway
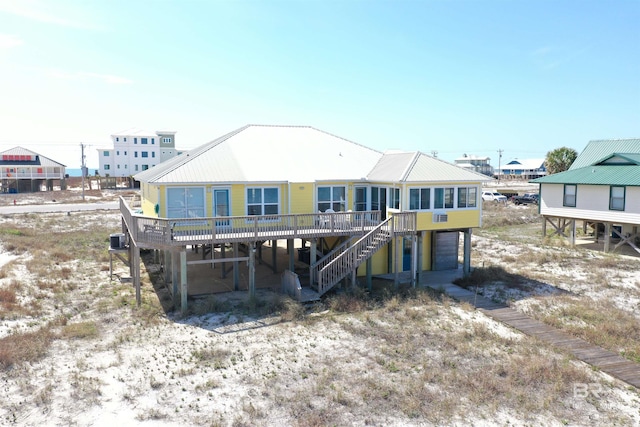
[(605, 360)]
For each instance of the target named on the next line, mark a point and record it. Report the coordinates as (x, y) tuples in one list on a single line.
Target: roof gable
[(598, 150), (620, 159)]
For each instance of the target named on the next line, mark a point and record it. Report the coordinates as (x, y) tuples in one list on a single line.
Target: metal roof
[(599, 149), (41, 160), (628, 175), (259, 153), (419, 167)]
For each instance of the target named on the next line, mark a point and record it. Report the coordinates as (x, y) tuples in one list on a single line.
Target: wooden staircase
[(346, 258)]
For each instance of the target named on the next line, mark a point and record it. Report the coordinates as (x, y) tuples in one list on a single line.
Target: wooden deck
[(605, 360)]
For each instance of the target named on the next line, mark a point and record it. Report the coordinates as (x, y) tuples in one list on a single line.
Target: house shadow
[(215, 303)]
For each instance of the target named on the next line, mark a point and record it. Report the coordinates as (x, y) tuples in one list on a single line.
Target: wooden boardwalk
[(606, 361)]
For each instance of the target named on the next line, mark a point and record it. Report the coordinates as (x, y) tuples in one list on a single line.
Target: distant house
[(24, 171), (358, 211), (475, 164), (522, 169), (136, 150), (602, 186)]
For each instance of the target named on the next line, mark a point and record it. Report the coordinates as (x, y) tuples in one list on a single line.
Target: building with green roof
[(602, 186)]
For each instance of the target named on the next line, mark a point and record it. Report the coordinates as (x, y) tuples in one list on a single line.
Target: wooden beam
[(607, 236), (217, 261)]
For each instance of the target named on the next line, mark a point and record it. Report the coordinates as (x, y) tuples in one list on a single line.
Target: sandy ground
[(145, 368)]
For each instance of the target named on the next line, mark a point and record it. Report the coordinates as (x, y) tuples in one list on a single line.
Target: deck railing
[(161, 232)]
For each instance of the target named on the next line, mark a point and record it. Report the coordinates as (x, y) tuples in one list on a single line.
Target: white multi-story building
[(475, 163), (135, 150)]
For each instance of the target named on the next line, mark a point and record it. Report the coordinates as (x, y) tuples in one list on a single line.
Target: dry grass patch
[(24, 347), (79, 330)]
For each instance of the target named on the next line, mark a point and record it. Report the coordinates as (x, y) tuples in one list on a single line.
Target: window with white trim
[(360, 199), (394, 202), (443, 198), (467, 197), (419, 199), (263, 201), (185, 202), (616, 198), (332, 198), (569, 197)]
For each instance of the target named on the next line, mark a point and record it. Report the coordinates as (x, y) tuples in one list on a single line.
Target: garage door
[(445, 250)]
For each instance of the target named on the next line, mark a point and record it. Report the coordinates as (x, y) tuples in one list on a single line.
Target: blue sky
[(454, 77)]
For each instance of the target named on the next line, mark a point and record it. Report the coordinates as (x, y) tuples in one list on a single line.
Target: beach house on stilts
[(353, 211)]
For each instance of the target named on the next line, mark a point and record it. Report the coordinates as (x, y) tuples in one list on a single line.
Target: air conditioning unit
[(440, 217), (117, 241)]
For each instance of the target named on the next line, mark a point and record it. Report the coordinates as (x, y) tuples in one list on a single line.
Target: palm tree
[(560, 159)]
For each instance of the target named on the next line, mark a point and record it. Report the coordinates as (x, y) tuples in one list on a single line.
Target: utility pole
[(434, 153), (83, 169), (500, 150)]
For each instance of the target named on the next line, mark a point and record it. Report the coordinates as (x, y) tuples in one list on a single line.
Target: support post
[(175, 270), (420, 254), (414, 260), (466, 262), (274, 255), (236, 269), (607, 236), (223, 254), (369, 267), (167, 266), (313, 255), (544, 227), (396, 268), (572, 233), (136, 273), (252, 270), (291, 252), (183, 281)]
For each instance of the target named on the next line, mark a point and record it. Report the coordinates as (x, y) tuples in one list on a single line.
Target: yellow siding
[(456, 219), (149, 200), (238, 197), (302, 196)]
